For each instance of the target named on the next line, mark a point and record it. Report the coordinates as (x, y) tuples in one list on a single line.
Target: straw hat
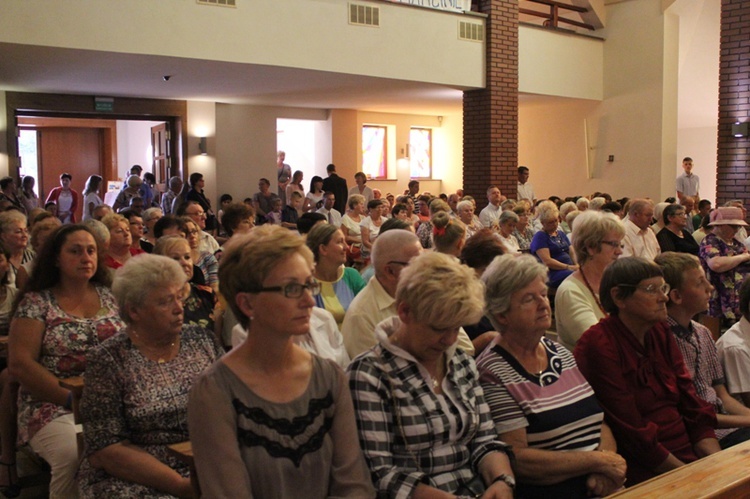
[(727, 215)]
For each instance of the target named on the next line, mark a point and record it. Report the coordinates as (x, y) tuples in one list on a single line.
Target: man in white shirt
[(688, 184), (206, 241), (491, 213), (639, 239), (332, 214), (734, 352), (524, 189)]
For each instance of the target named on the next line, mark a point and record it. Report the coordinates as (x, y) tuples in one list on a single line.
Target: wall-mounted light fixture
[(739, 130), (202, 146)]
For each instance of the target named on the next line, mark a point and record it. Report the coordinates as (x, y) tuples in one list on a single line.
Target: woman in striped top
[(540, 402)]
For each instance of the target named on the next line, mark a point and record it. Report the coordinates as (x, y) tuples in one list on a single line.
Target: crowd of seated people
[(350, 367)]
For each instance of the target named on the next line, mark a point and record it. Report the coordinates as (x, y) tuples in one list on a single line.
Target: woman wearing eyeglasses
[(270, 419), (638, 374), (14, 236), (674, 236), (597, 242)]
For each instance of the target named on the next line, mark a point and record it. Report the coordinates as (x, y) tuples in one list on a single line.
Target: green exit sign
[(104, 104)]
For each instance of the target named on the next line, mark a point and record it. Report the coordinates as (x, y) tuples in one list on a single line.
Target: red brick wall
[(732, 170), (491, 114)]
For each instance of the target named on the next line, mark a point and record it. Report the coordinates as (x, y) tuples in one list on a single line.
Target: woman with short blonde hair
[(415, 375)]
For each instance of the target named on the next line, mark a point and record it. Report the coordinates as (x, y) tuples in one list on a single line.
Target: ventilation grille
[(470, 31), (218, 3), (364, 15)]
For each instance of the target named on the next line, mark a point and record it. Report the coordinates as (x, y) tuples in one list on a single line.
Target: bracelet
[(69, 402), (507, 479)]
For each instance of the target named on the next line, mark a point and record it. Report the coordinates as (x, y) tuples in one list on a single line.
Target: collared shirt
[(490, 216), (333, 216), (525, 191), (166, 201), (371, 306), (207, 243), (688, 185), (734, 353), (400, 418), (639, 242), (701, 359)]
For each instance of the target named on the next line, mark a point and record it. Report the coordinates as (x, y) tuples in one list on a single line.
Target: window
[(374, 151), (420, 151)]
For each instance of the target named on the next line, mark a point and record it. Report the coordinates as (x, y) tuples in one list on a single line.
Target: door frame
[(83, 107)]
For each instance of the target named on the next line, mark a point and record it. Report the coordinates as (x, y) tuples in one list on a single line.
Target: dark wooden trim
[(82, 107)]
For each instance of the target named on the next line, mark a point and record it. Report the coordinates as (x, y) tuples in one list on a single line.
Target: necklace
[(596, 296), (158, 350)]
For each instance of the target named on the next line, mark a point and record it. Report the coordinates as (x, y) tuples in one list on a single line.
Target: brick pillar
[(732, 170), (491, 113)]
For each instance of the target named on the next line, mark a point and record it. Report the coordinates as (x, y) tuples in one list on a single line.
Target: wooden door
[(78, 151), (160, 146)]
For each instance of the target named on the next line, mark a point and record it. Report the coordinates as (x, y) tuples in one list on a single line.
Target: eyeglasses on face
[(293, 289), (614, 244), (652, 289)]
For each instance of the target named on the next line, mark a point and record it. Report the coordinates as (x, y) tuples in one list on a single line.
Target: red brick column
[(491, 114), (732, 170)]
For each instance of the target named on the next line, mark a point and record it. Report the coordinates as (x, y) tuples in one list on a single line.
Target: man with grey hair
[(391, 252), (167, 200), (640, 240)]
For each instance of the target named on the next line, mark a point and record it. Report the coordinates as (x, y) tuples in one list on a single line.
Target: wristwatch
[(509, 480)]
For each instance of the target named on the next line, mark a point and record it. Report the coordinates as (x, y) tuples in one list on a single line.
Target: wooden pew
[(183, 452), (723, 475)]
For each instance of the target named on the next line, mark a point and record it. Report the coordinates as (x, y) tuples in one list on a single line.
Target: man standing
[(490, 215), (284, 175), (688, 184), (413, 191), (337, 185), (524, 189), (640, 240), (332, 214), (167, 200)]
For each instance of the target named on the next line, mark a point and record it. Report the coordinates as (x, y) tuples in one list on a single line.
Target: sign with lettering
[(450, 5)]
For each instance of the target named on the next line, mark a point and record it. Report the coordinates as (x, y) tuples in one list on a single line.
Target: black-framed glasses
[(293, 289), (405, 264), (614, 244), (651, 288)]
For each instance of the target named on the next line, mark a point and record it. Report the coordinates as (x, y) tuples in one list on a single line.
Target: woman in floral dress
[(66, 310), (137, 383)]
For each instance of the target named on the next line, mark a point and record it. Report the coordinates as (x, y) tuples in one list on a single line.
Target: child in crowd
[(274, 217), (688, 296)]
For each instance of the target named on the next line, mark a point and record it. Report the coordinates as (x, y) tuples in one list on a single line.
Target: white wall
[(411, 43), (635, 121), (554, 63), (134, 146)]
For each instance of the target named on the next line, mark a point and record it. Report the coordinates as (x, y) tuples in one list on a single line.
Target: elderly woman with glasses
[(674, 236), (597, 242), (638, 374), (270, 419), (137, 383), (541, 403), (424, 425)]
